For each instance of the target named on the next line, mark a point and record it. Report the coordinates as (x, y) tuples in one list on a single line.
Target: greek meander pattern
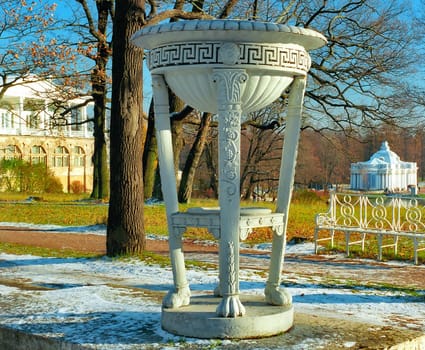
[(275, 55)]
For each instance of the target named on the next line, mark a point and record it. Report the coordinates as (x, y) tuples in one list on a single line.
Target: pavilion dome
[(385, 156)]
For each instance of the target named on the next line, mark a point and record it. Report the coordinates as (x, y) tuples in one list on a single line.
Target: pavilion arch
[(60, 157), (37, 155), (78, 168), (79, 155), (10, 152)]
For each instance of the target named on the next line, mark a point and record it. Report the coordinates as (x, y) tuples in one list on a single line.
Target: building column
[(21, 118)]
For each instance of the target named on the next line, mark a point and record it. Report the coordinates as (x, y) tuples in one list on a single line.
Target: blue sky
[(65, 9)]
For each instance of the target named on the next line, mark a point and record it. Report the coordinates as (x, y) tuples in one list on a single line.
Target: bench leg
[(347, 243), (316, 239), (395, 245), (415, 251), (379, 239)]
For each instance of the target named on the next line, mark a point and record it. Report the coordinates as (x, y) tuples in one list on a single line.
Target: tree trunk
[(211, 161), (192, 161), (125, 233), (157, 190), (176, 105), (99, 91), (150, 156), (249, 189), (100, 168)]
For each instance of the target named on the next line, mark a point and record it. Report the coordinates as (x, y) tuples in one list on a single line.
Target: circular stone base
[(199, 320)]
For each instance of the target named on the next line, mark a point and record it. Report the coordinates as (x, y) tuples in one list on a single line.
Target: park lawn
[(73, 211), (83, 212)]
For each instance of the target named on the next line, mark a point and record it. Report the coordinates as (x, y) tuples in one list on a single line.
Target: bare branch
[(227, 9), (175, 13), (90, 20), (185, 112)]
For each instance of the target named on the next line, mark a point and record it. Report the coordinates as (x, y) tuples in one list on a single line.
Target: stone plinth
[(199, 319)]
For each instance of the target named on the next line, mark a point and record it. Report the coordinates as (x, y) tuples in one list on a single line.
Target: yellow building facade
[(32, 130)]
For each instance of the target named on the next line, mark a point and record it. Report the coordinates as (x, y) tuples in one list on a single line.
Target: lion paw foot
[(176, 298), (277, 296), (230, 306)]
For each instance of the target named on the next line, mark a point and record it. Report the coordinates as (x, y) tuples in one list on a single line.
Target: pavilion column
[(230, 86)]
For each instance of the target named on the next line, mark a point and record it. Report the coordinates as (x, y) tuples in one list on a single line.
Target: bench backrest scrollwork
[(376, 212)]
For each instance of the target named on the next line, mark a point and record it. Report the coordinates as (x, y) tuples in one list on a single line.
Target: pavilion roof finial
[(385, 146)]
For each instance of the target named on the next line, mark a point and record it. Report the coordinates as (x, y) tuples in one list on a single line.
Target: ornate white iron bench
[(382, 216)]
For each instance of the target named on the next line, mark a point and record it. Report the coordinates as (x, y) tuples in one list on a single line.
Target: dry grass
[(69, 210)]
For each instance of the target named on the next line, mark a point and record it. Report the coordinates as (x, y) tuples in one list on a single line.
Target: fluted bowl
[(188, 53)]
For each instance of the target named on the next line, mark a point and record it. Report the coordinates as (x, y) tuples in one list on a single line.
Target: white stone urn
[(187, 52), (231, 68)]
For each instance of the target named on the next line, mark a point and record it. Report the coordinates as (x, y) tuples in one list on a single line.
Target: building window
[(10, 152), (33, 120), (6, 120), (38, 155), (60, 157), (57, 121), (79, 156), (76, 119), (35, 107)]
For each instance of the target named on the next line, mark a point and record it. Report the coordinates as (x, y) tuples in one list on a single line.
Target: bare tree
[(193, 159), (29, 48), (261, 152), (125, 233), (355, 79), (97, 47), (361, 78), (38, 44)]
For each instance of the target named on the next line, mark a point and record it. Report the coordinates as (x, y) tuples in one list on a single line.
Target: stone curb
[(12, 339)]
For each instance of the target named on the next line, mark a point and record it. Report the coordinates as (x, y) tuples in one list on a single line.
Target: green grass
[(46, 197), (72, 210), (19, 249), (404, 251), (64, 210), (54, 213), (356, 286)]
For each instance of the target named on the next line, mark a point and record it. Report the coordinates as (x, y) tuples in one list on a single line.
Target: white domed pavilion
[(384, 171)]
